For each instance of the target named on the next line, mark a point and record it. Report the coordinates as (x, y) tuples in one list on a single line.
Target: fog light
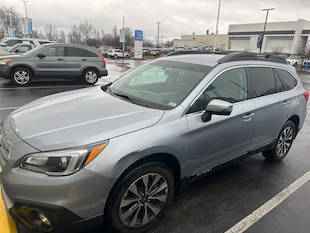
[(45, 220)]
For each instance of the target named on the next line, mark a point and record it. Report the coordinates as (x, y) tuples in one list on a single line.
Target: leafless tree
[(51, 32), (62, 36), (8, 15)]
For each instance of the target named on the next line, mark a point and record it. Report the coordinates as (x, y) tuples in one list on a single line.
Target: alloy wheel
[(91, 77), (285, 141), (21, 77), (143, 200)]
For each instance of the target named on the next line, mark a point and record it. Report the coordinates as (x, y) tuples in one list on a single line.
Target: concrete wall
[(280, 37)]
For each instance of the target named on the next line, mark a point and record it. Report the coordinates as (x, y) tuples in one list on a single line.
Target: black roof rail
[(242, 56)]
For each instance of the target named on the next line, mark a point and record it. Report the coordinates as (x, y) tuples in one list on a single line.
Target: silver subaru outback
[(118, 153)]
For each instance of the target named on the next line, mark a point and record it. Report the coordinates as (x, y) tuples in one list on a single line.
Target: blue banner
[(139, 35)]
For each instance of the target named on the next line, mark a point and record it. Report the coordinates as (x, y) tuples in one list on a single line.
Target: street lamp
[(158, 23), (262, 36), (217, 26)]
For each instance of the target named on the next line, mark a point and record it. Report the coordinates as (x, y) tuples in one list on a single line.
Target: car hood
[(6, 56), (77, 118), (5, 53)]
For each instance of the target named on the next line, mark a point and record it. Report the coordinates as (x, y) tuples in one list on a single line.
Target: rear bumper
[(103, 73)]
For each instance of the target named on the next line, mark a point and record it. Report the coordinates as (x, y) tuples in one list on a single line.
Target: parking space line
[(42, 87), (260, 212), (8, 108)]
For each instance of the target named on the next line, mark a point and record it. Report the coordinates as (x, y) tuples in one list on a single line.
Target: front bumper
[(4, 71), (73, 202)]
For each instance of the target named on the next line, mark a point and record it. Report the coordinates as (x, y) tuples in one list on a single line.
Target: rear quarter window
[(77, 52), (287, 79)]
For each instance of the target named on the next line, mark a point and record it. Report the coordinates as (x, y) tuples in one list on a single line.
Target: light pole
[(158, 23), (267, 13), (25, 4), (217, 25)]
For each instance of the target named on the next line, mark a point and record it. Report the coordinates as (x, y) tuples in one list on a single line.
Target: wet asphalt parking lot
[(220, 200)]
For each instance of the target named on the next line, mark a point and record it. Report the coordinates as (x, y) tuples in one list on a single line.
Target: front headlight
[(4, 62), (63, 162)]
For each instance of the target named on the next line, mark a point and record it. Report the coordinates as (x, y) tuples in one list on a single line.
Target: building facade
[(202, 41), (280, 37)]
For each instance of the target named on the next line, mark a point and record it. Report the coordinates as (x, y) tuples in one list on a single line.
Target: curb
[(7, 225)]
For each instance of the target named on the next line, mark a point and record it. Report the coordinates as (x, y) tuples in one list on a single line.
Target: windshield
[(13, 48), (161, 84), (32, 51), (294, 57)]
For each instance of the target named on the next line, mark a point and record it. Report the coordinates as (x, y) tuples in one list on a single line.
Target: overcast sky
[(178, 16)]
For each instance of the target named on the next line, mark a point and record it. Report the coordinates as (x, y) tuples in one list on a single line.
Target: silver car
[(54, 61), (118, 153)]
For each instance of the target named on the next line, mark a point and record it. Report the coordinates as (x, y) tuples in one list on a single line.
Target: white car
[(19, 48), (118, 53), (8, 42), (295, 60)]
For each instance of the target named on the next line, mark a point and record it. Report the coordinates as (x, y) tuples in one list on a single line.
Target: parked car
[(19, 48), (118, 53), (54, 61), (295, 60), (119, 152), (306, 60), (8, 42)]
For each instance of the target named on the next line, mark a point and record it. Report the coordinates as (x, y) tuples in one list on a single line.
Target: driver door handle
[(60, 59), (248, 116)]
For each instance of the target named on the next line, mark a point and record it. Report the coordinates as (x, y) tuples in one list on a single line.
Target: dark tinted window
[(279, 83), (54, 52), (230, 86), (287, 79), (77, 52), (263, 81)]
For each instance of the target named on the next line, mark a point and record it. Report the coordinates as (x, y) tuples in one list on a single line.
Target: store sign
[(138, 45), (139, 35)]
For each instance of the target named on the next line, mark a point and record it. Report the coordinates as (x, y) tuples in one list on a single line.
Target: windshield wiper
[(131, 99)]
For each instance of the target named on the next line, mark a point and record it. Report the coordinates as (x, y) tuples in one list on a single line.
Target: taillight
[(306, 94), (103, 58)]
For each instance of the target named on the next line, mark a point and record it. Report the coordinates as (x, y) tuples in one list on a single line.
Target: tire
[(21, 76), (283, 143), (130, 217), (90, 76), (115, 56), (127, 56)]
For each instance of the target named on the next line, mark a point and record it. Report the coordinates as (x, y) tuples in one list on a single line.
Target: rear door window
[(77, 52), (263, 81), (287, 79), (54, 52)]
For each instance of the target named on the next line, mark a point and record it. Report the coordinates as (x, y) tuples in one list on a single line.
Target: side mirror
[(17, 51), (217, 107), (41, 56)]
